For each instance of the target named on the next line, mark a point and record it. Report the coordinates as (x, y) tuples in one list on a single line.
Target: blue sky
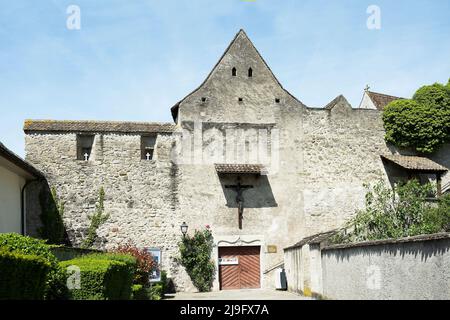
[(133, 60)]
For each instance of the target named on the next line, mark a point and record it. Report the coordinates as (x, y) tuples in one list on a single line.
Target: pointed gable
[(340, 101), (240, 76)]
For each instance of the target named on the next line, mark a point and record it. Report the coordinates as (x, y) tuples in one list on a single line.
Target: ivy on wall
[(196, 258), (421, 123), (96, 220), (52, 211)]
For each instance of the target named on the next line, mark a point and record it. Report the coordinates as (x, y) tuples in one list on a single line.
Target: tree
[(421, 123)]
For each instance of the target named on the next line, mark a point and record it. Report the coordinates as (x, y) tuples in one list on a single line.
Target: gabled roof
[(240, 168), (314, 239), (19, 162), (241, 33), (97, 126), (381, 100), (340, 99), (415, 163)]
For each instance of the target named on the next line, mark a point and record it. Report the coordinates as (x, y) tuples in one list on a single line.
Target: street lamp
[(184, 228)]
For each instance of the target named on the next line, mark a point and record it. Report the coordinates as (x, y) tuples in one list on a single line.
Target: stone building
[(243, 156)]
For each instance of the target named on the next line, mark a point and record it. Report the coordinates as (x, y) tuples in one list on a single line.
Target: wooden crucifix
[(239, 188)]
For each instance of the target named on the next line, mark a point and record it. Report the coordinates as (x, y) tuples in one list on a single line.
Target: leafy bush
[(396, 213), (196, 258), (145, 262), (139, 292), (422, 123), (22, 276), (156, 291), (56, 279), (102, 278)]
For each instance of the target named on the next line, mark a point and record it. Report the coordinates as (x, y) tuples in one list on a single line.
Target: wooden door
[(244, 270)]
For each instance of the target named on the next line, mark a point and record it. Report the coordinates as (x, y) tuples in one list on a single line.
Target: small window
[(233, 72), (250, 72), (147, 147), (84, 146), (277, 100), (203, 99), (240, 99)]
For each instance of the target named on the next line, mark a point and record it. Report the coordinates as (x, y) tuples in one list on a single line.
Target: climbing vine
[(421, 123), (52, 211), (196, 258), (96, 220)]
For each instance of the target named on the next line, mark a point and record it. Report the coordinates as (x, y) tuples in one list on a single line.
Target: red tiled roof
[(415, 163), (381, 100)]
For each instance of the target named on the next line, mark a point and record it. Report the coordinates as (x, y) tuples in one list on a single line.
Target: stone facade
[(317, 161)]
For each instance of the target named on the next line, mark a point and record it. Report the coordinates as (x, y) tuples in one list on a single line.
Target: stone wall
[(140, 195)]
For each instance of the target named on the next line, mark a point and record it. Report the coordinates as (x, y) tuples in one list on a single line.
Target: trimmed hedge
[(56, 280), (22, 276), (103, 277), (128, 260)]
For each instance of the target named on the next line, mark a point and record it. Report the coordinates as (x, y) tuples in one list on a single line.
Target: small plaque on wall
[(271, 249)]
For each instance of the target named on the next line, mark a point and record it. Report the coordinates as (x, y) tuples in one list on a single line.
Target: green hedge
[(56, 281), (103, 277), (128, 260), (22, 276)]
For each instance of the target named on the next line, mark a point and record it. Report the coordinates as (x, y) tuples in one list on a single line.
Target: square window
[(84, 146), (147, 147)]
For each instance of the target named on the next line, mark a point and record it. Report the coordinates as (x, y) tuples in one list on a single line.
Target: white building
[(15, 176)]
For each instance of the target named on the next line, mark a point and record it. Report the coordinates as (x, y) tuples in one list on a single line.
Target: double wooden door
[(240, 267)]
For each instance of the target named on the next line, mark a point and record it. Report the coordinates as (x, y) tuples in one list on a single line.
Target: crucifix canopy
[(258, 169)]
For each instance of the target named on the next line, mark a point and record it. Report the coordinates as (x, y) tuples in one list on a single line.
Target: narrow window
[(233, 72), (277, 100), (250, 72), (203, 99), (84, 146), (147, 147), (240, 99)]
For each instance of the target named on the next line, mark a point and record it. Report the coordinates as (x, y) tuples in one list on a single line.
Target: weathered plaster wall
[(342, 150), (10, 203), (406, 270)]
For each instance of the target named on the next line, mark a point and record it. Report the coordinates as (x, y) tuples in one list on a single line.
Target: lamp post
[(184, 228)]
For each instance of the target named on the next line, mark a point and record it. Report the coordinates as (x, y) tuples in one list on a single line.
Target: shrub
[(396, 213), (129, 261), (196, 258), (22, 276), (145, 262), (139, 292), (101, 278), (56, 280), (422, 123), (156, 291)]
